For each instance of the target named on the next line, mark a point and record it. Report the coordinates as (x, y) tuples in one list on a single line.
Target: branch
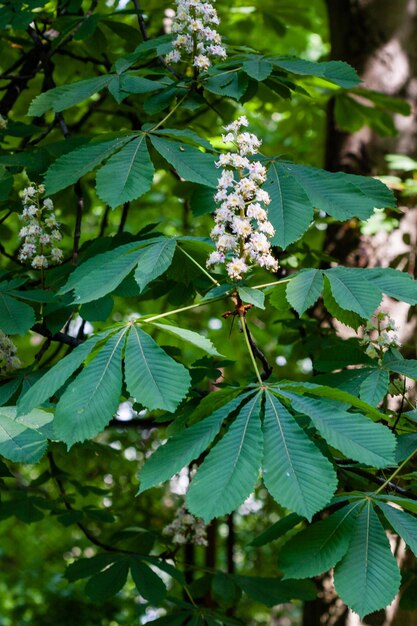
[(380, 481), (60, 337), (260, 356)]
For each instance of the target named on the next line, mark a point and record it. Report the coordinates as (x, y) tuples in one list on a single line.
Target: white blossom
[(380, 334), (41, 229), (242, 226), (196, 41), (8, 359), (185, 528)]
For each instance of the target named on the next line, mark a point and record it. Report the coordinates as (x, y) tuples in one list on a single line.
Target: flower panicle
[(40, 233), (379, 335), (185, 528), (195, 36), (8, 359), (242, 229)]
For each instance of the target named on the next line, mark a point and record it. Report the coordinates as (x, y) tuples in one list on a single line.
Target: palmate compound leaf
[(296, 190), (152, 377), (22, 439), (104, 272), (127, 175), (230, 471), (367, 578), (185, 447), (321, 545), (65, 96), (404, 524), (295, 472), (189, 162), (355, 435), (70, 167), (49, 383), (90, 401)]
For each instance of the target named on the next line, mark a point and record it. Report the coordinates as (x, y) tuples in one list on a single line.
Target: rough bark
[(378, 38)]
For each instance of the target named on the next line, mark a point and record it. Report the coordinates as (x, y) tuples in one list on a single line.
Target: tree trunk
[(378, 38)]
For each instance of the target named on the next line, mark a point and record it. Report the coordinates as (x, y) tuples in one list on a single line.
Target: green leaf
[(395, 362), (152, 377), (295, 472), (108, 582), (405, 503), (185, 447), (190, 336), (353, 434), (123, 85), (296, 190), (149, 584), (230, 471), (232, 85), (349, 318), (22, 439), (403, 523), (321, 545), (102, 273), (396, 284), (290, 210), (304, 289), (257, 67), (272, 591), (86, 567), (127, 175), (337, 72), (277, 530), (154, 261), (70, 167), (367, 578), (97, 310), (54, 378), (334, 394), (64, 97), (374, 386), (252, 296), (353, 292), (90, 402), (187, 136), (189, 162), (15, 317)]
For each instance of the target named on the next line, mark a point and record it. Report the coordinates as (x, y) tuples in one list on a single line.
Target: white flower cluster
[(195, 35), (185, 528), (242, 228), (8, 359), (40, 231), (379, 335)]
